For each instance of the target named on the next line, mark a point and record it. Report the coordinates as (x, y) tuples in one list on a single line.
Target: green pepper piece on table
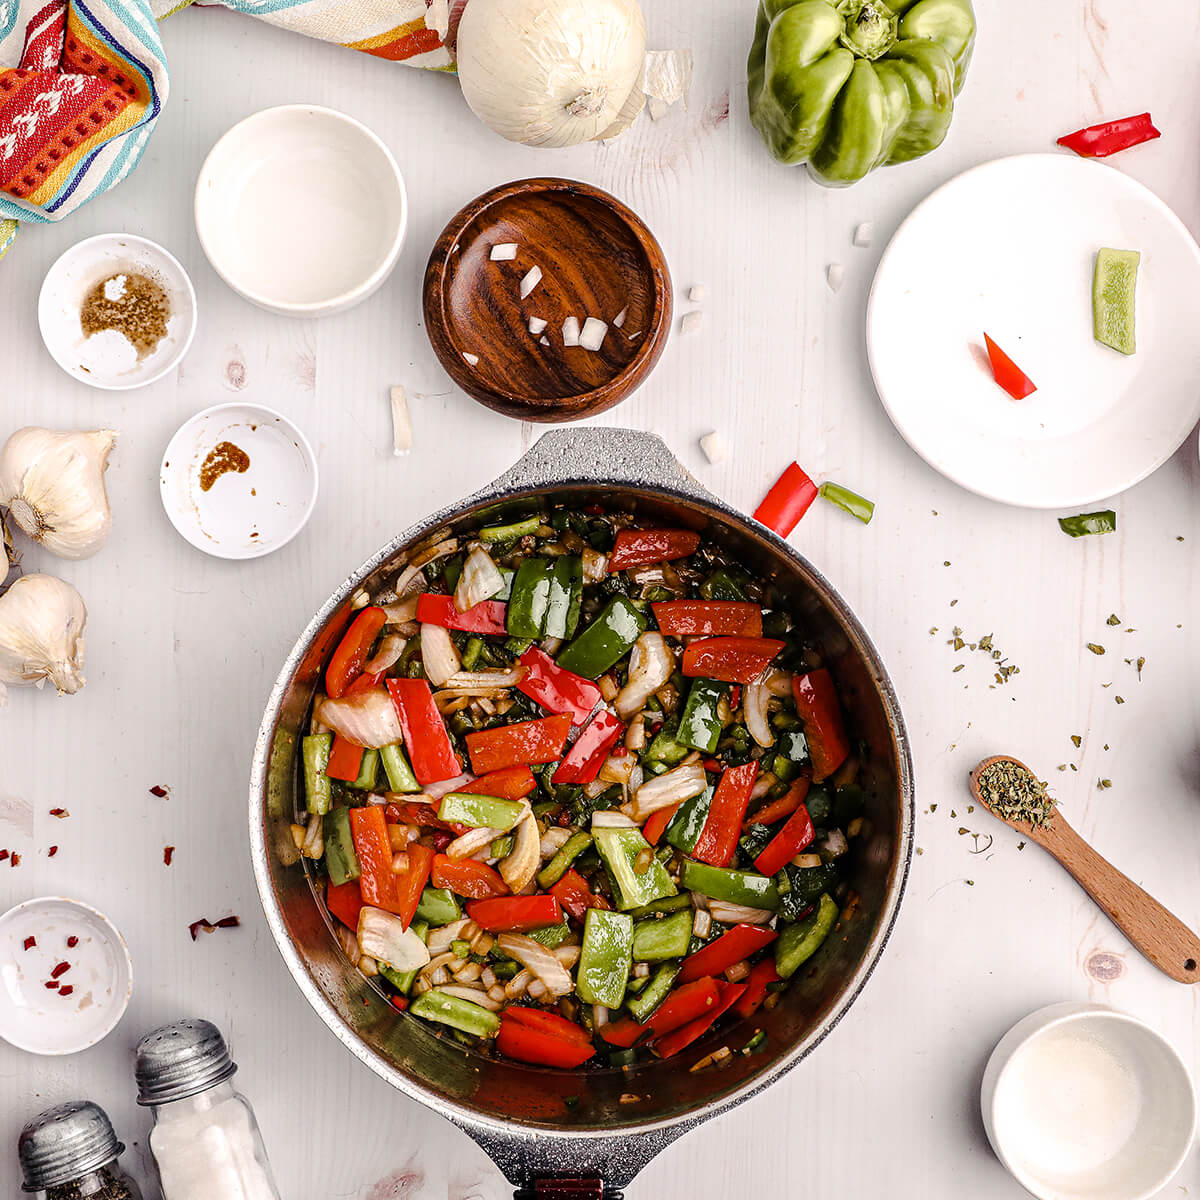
[(458, 1014), (530, 600), (1104, 521), (700, 725), (318, 791), (566, 597), (605, 641), (646, 1002), (340, 860), (403, 980), (399, 773), (568, 852), (659, 938), (605, 959), (850, 86), (438, 906), (798, 943), (734, 887), (368, 771), (688, 823), (619, 849)]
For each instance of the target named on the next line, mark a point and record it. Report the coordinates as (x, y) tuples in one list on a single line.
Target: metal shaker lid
[(181, 1060), (64, 1143)]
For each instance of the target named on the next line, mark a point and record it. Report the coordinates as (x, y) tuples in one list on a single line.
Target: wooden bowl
[(597, 259)]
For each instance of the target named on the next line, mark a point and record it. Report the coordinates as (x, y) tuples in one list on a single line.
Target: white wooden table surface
[(182, 649)]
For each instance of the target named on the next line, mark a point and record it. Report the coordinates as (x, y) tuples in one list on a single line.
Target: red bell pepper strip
[(573, 893), (732, 947), (399, 1003), (466, 877), (657, 822), (368, 828), (817, 706), (685, 1035), (788, 500), (556, 689), (1007, 374), (776, 810), (488, 616), (719, 838), (638, 547), (545, 1046), (515, 914), (1099, 141), (410, 882), (683, 1005), (585, 758), (549, 1022), (347, 662), (730, 659), (429, 749), (787, 843), (525, 742), (708, 618), (762, 973), (345, 902), (345, 759), (509, 783)]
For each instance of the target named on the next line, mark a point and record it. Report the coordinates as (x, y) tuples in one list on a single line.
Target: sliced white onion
[(864, 235), (612, 819), (441, 938), (536, 325), (518, 983), (439, 654), (387, 655), (504, 252), (650, 666), (835, 275), (617, 769), (635, 735), (543, 341), (755, 706), (738, 914), (402, 435), (599, 1016), (530, 280), (697, 293), (382, 936), (762, 785), (472, 842), (595, 565), (691, 321), (567, 955), (400, 612), (480, 580), (539, 959), (553, 841), (486, 679), (570, 331), (472, 995), (713, 445), (778, 683), (684, 782), (619, 319), (407, 581), (435, 791), (472, 360), (367, 719), (591, 337), (519, 868)]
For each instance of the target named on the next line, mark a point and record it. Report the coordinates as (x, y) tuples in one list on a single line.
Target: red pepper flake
[(65, 990), (15, 861), (212, 926), (60, 969), (620, 750), (3, 855), (160, 791), (52, 852), (60, 813), (30, 942), (51, 983), (72, 941), (168, 854), (735, 694)]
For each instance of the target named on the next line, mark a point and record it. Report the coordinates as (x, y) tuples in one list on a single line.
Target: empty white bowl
[(242, 513), (301, 210), (97, 983), (107, 359), (1082, 1102)]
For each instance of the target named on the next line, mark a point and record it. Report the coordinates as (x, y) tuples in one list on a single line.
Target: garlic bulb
[(41, 634), (53, 484), (550, 72)]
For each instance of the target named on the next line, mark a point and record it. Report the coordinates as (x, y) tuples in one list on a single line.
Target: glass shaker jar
[(71, 1152), (205, 1139)]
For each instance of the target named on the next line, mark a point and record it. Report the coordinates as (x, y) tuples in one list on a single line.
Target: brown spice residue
[(132, 305), (223, 458)]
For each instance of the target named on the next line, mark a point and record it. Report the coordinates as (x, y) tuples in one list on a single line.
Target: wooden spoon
[(1158, 934)]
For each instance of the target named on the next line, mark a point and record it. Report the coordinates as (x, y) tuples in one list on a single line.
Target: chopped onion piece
[(667, 76), (531, 279), (737, 914), (611, 819), (480, 580), (806, 861), (538, 959), (650, 666), (367, 718), (402, 437), (591, 337), (570, 331), (864, 235), (552, 841), (673, 787), (382, 936), (469, 680), (536, 325), (470, 359), (387, 655), (472, 995), (470, 844), (439, 654), (657, 108), (619, 319), (697, 293), (504, 252), (713, 446), (755, 706), (519, 868), (691, 321), (835, 275), (543, 341)]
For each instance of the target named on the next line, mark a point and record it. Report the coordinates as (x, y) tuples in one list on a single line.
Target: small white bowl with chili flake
[(66, 973)]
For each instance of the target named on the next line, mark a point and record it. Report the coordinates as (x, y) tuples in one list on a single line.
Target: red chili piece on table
[(509, 783), (72, 941), (719, 838), (573, 893), (533, 1036), (344, 900), (1099, 141), (168, 854), (160, 791), (466, 877), (788, 500), (429, 749), (585, 758), (1007, 374), (525, 742), (488, 616), (787, 843), (684, 1036), (347, 662), (52, 852), (51, 983), (638, 547), (731, 947), (708, 618), (515, 914), (776, 810), (15, 861), (730, 659), (557, 690), (59, 812), (761, 974), (817, 706)]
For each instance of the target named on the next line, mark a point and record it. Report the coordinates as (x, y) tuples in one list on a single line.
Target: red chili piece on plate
[(30, 942), (729, 659), (1007, 374), (60, 969), (65, 990), (347, 662)]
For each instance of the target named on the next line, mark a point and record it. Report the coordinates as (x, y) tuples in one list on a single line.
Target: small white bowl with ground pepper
[(117, 311)]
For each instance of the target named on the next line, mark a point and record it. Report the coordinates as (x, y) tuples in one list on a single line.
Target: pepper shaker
[(70, 1152), (205, 1139)]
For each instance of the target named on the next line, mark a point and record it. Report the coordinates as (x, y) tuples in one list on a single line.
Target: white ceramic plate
[(1008, 248), (108, 360), (43, 1020), (242, 514)]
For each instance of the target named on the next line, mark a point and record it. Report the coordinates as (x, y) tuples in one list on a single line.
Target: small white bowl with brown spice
[(117, 311)]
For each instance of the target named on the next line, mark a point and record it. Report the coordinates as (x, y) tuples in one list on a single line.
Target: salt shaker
[(205, 1139), (70, 1152)]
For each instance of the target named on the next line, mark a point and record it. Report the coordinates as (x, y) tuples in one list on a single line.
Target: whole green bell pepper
[(849, 85)]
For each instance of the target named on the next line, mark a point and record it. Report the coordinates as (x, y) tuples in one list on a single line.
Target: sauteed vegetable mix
[(579, 788)]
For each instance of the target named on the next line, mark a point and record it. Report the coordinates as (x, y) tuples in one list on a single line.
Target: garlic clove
[(53, 485), (42, 621)]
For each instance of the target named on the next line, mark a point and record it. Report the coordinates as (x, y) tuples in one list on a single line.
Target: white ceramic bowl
[(107, 359), (242, 514), (41, 1019), (1130, 1151), (301, 210)]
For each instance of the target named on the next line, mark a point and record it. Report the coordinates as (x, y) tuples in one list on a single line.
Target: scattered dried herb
[(1013, 793), (1103, 783), (1114, 619), (1076, 740), (1094, 648), (212, 926)]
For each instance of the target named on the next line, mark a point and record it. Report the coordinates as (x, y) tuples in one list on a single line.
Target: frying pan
[(588, 1132)]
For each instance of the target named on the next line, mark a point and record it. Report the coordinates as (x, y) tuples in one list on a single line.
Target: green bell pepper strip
[(688, 823), (734, 887), (460, 949), (438, 906), (666, 749), (848, 501), (458, 1014), (399, 773), (1083, 524), (340, 859), (368, 771), (605, 641), (668, 904), (805, 887), (700, 726), (502, 847), (798, 943), (568, 852), (605, 959), (510, 533), (471, 652), (820, 806), (619, 849), (635, 985), (793, 745), (647, 1001), (659, 938), (530, 600), (551, 936), (470, 808), (402, 981), (721, 585), (566, 597), (849, 86), (318, 791)]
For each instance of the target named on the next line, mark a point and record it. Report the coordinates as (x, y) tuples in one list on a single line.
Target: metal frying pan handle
[(567, 1187)]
